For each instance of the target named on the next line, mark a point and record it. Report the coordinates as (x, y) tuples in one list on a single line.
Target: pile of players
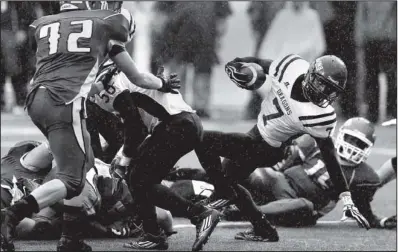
[(84, 78)]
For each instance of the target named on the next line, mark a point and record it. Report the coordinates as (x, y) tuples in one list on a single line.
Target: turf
[(328, 235)]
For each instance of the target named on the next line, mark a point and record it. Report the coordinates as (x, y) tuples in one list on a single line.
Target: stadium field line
[(243, 224)]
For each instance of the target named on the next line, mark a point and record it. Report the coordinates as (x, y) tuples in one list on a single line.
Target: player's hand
[(233, 71), (388, 223), (351, 211), (169, 83), (106, 76)]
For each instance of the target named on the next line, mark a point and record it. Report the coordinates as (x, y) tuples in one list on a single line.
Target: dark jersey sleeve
[(117, 27), (364, 185)]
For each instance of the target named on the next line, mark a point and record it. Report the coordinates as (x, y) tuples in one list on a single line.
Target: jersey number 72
[(51, 31), (274, 115)]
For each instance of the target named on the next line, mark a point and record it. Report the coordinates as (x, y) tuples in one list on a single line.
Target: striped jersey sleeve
[(320, 125), (279, 67)]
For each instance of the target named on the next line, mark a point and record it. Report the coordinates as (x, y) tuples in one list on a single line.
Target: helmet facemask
[(318, 90), (352, 146)]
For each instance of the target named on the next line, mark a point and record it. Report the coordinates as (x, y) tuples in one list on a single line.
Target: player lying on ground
[(69, 48), (297, 193), (174, 130), (297, 100), (106, 200)]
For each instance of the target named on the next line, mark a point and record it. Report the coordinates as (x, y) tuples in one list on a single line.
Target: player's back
[(282, 118), (155, 105), (70, 47)]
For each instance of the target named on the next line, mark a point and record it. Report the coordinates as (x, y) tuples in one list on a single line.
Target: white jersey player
[(153, 105), (282, 118), (297, 100)]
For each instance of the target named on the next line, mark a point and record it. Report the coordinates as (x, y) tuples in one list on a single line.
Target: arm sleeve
[(328, 152)]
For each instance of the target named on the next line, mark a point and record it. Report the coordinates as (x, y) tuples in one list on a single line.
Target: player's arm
[(147, 80), (388, 171), (336, 174), (264, 63), (126, 64), (326, 146)]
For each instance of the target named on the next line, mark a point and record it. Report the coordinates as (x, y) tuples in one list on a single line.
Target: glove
[(233, 71), (388, 223), (351, 211), (106, 75), (169, 83)]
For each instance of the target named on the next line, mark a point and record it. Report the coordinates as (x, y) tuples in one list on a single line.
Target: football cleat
[(148, 242), (269, 235), (261, 231), (7, 231), (218, 204), (205, 224), (67, 244)]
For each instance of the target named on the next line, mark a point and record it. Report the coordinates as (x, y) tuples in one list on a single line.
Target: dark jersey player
[(301, 191), (69, 48)]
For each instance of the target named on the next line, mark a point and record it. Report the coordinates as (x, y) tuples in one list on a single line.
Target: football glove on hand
[(233, 71), (351, 211), (388, 223), (169, 83), (106, 75)]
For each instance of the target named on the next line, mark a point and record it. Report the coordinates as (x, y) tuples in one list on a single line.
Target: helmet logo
[(318, 65)]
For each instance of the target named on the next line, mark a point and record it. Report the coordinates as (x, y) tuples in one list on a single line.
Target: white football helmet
[(355, 140)]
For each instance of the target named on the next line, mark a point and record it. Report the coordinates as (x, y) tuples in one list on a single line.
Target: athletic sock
[(24, 207)]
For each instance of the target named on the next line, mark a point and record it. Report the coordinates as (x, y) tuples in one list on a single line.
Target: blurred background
[(196, 39)]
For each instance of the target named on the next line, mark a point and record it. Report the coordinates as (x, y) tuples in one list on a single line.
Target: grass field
[(328, 235)]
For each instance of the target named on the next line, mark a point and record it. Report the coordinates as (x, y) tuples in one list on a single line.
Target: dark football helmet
[(355, 140), (325, 80)]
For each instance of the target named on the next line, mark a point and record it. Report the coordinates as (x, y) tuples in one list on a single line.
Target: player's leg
[(290, 212), (388, 171), (156, 156), (244, 153), (63, 126)]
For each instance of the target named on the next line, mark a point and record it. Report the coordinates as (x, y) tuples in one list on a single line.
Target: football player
[(69, 48), (106, 200), (175, 130), (297, 100), (299, 192)]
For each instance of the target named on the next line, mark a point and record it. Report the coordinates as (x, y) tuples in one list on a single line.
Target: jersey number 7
[(52, 32), (274, 115)]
